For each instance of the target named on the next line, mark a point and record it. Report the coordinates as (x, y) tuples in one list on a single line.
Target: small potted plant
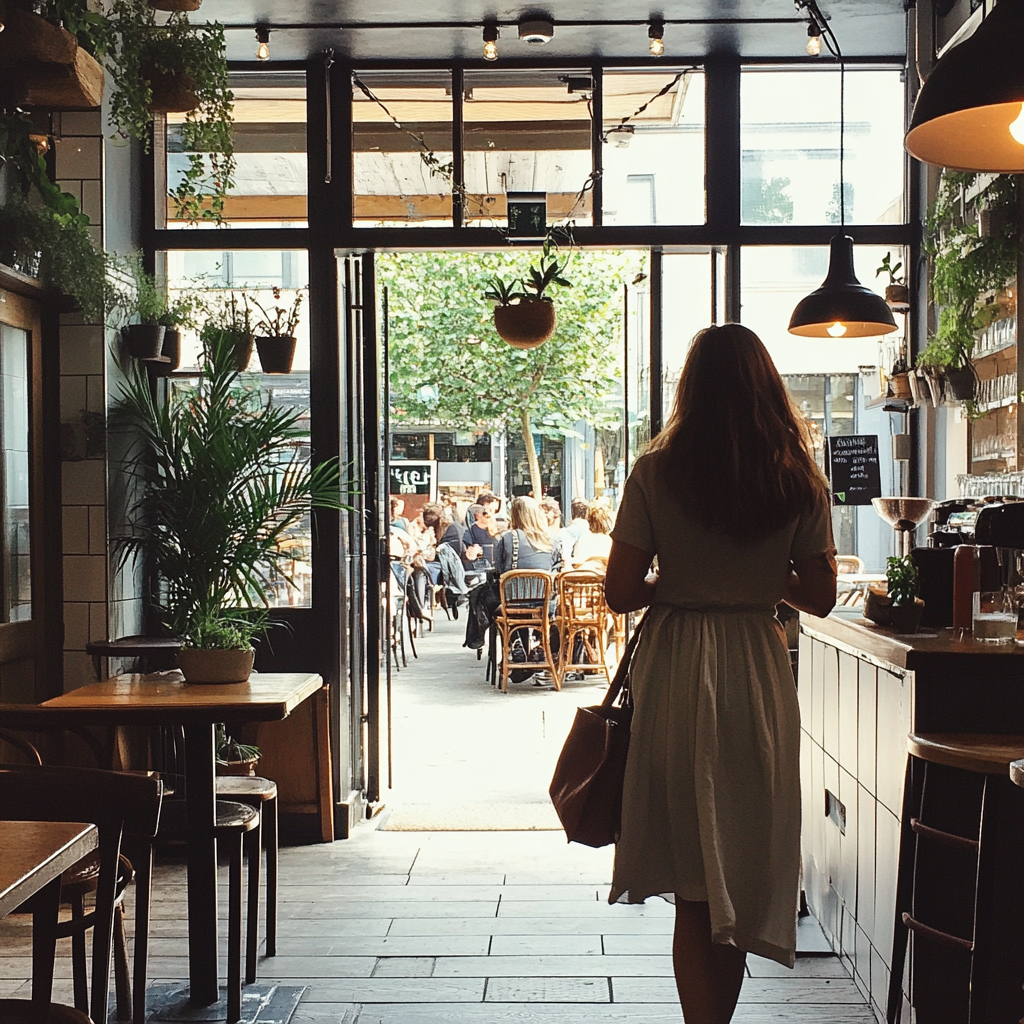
[(234, 758), (275, 333), (139, 297), (932, 362), (899, 378), (180, 313), (906, 608), (523, 320), (217, 646), (897, 294), (230, 317)]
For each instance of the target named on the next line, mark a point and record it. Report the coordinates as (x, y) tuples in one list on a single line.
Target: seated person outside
[(592, 549)]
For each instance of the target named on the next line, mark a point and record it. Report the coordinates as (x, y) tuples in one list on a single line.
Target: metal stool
[(956, 892)]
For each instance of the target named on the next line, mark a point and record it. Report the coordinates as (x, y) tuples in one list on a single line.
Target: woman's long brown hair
[(735, 450)]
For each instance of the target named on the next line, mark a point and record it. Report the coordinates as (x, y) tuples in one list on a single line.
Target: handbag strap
[(620, 682), (515, 549)]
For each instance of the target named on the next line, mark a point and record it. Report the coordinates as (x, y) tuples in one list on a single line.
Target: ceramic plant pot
[(905, 618), (276, 353), (527, 324), (900, 385), (199, 665), (961, 383), (243, 768), (897, 298), (144, 341)]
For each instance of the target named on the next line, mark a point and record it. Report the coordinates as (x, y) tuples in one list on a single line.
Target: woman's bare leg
[(708, 974)]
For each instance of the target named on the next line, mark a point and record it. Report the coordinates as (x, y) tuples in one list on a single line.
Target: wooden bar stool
[(957, 891)]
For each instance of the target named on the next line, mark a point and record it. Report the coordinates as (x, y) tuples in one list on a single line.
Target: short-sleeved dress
[(711, 807)]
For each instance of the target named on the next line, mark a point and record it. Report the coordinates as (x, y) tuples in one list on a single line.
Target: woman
[(729, 500), (536, 547), (592, 549)]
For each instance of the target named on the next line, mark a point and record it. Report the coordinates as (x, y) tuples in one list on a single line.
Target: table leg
[(201, 817), (45, 910)]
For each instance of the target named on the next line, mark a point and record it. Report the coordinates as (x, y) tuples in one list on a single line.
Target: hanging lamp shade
[(842, 307), (969, 115)]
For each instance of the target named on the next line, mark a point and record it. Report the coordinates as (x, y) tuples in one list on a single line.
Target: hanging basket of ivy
[(527, 320)]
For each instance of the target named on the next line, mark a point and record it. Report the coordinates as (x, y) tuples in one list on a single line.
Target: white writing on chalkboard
[(853, 469)]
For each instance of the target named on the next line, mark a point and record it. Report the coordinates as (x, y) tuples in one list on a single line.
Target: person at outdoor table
[(435, 518), (480, 532), (729, 500), (592, 549), (397, 519), (552, 512), (537, 550)]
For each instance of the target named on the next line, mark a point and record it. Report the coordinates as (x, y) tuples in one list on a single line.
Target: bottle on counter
[(966, 580)]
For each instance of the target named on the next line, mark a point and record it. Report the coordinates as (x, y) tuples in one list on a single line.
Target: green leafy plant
[(144, 50), (901, 574), (219, 481), (84, 21), (965, 264), (283, 320), (893, 272), (230, 751), (549, 272), (226, 312), (504, 292)]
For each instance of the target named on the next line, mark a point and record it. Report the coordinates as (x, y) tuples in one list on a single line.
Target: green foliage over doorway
[(449, 367)]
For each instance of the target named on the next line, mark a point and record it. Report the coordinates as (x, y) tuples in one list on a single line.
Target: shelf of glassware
[(994, 435)]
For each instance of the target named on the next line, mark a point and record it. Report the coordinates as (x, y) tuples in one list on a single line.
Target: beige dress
[(711, 808)]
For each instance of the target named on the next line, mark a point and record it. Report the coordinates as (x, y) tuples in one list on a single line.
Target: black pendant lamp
[(969, 114), (842, 307)]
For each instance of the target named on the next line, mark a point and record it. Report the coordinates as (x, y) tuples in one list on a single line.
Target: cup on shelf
[(994, 618)]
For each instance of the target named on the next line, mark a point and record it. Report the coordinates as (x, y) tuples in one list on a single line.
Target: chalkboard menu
[(408, 478), (852, 463)]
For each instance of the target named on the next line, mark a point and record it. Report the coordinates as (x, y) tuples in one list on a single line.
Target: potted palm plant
[(232, 757), (525, 320), (275, 333), (220, 481)]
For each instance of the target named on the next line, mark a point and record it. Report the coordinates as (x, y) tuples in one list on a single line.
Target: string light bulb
[(656, 38), (813, 46), (262, 42), (490, 42)]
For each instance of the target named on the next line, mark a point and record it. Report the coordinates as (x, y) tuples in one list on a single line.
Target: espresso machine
[(1002, 526)]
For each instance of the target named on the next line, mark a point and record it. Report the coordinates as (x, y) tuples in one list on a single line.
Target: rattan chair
[(525, 605), (583, 613)]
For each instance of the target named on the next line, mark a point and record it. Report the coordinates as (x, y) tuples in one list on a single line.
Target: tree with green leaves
[(448, 365)]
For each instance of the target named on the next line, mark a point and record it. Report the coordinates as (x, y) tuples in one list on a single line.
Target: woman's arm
[(627, 585), (812, 585)]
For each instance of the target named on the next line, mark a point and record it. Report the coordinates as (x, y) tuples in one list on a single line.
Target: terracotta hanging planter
[(144, 341), (276, 353), (202, 665), (526, 325), (897, 298), (899, 383), (173, 91)]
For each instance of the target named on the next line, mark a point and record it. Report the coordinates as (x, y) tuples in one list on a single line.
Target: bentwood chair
[(583, 616), (119, 804), (525, 606)]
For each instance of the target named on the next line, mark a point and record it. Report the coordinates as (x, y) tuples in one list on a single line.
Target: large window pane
[(654, 162), (402, 175), (687, 300), (527, 131), (15, 567), (269, 189), (789, 137)]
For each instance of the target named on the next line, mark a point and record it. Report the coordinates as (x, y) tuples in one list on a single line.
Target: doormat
[(261, 1004), (478, 817)]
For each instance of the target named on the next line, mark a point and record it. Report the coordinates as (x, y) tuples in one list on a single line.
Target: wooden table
[(34, 856), (167, 700)]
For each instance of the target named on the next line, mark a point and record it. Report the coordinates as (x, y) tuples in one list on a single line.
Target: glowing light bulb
[(837, 330), (263, 52), (813, 46), (1017, 127), (656, 39), (262, 42)]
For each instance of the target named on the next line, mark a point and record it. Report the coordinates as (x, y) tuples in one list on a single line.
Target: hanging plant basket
[(144, 341), (899, 383), (175, 5), (961, 383), (526, 325), (897, 298), (170, 354), (173, 91), (276, 353)]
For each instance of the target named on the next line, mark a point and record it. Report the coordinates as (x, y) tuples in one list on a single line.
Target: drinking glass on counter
[(995, 617)]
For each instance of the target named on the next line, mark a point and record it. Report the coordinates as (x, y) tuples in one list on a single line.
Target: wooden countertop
[(928, 649)]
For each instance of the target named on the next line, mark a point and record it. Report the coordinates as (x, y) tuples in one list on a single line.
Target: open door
[(30, 510)]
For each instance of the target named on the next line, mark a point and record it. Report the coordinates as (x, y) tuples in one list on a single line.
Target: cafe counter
[(862, 690)]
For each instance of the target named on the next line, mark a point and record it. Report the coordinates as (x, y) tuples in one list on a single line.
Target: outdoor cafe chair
[(583, 616), (525, 606)]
